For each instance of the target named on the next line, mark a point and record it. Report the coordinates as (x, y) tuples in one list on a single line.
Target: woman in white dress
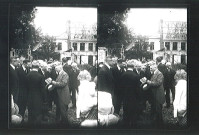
[(87, 95), (180, 102)]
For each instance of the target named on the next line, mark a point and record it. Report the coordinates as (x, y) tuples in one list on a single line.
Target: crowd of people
[(37, 85), (98, 95), (130, 85)]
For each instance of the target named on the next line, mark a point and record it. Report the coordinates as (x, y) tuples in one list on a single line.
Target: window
[(90, 46), (183, 59), (59, 46), (174, 45), (151, 45), (167, 45), (75, 46), (183, 46), (82, 46)]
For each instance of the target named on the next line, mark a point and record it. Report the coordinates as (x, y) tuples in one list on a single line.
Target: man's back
[(105, 80), (130, 85)]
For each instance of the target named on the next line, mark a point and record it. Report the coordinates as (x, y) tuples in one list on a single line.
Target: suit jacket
[(22, 76), (105, 80), (36, 90), (162, 68), (117, 74), (14, 83), (74, 82), (157, 87), (130, 85), (67, 69), (61, 86), (169, 78)]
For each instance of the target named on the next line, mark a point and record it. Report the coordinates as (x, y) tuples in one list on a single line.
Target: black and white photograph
[(52, 69), (97, 67), (142, 68)]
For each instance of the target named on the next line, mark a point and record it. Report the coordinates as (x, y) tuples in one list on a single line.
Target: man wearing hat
[(130, 85), (36, 94)]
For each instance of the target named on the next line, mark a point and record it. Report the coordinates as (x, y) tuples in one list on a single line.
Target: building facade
[(79, 50), (171, 43)]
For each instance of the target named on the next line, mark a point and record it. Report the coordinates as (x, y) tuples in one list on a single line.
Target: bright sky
[(145, 21), (53, 20)]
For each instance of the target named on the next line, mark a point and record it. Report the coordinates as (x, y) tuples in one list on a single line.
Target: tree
[(112, 31), (139, 50), (47, 48), (22, 32)]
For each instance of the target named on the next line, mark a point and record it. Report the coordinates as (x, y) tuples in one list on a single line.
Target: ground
[(144, 121)]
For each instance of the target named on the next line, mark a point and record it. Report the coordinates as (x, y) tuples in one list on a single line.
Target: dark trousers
[(146, 96), (34, 117), (22, 103), (129, 114), (63, 108), (73, 90), (156, 110), (167, 96), (52, 96), (117, 102)]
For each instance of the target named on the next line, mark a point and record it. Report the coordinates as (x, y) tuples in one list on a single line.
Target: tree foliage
[(139, 50), (22, 32), (47, 48), (112, 31)]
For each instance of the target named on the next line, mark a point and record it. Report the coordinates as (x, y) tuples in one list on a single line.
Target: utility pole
[(122, 52), (29, 52)]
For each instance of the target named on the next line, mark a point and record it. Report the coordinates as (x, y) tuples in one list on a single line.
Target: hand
[(143, 80), (148, 82), (53, 82)]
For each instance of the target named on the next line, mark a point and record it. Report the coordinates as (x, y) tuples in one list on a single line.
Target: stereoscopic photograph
[(142, 74), (52, 66), (98, 67)]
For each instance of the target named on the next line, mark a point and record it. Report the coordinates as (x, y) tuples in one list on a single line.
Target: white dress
[(86, 98), (180, 102)]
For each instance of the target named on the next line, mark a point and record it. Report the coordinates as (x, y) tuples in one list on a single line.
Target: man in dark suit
[(130, 85), (156, 85), (169, 83), (36, 91), (22, 72), (74, 82), (45, 74), (161, 67), (61, 85), (105, 77), (117, 71), (13, 79), (68, 69)]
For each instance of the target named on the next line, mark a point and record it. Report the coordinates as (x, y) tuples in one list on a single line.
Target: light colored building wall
[(64, 45), (156, 43)]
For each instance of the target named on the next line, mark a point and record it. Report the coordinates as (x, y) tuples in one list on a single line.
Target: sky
[(53, 20), (145, 21)]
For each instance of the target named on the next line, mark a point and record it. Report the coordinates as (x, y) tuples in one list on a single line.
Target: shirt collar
[(155, 71), (118, 67), (23, 67), (12, 66), (130, 69), (107, 65)]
